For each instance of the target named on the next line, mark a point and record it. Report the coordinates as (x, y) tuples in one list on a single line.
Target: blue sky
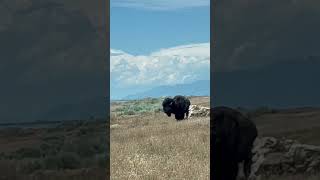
[(143, 29), (158, 42)]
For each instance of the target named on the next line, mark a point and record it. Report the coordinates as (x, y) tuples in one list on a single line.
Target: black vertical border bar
[(107, 58), (213, 29)]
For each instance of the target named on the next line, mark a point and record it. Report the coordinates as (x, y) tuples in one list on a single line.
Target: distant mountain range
[(196, 88)]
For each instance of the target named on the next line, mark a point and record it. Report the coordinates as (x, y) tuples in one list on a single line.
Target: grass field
[(151, 145), (146, 144)]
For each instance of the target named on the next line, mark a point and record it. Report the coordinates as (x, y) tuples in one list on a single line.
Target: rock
[(282, 156), (113, 126), (198, 111)]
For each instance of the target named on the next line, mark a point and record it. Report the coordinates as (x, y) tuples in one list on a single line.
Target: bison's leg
[(235, 170), (247, 164), (228, 165), (231, 172)]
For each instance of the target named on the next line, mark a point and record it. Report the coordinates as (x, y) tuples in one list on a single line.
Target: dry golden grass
[(200, 100), (154, 146)]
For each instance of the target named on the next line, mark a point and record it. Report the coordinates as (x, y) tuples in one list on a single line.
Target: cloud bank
[(160, 5), (181, 64)]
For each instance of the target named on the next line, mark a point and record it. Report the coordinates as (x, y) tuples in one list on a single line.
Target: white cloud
[(176, 65), (160, 4)]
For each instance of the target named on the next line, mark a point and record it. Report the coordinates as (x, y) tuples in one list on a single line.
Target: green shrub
[(101, 147), (130, 112), (102, 160), (140, 106), (50, 148), (27, 153), (52, 144), (30, 165), (69, 160), (63, 160), (86, 130), (52, 163), (2, 155), (85, 147)]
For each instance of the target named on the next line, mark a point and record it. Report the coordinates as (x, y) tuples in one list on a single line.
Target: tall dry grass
[(154, 146), (150, 145)]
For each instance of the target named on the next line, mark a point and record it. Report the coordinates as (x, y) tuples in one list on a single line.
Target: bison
[(232, 138), (179, 106)]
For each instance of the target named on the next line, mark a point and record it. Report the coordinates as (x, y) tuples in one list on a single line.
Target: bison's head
[(167, 106)]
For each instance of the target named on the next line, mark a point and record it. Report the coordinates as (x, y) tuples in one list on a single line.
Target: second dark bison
[(232, 137), (179, 106)]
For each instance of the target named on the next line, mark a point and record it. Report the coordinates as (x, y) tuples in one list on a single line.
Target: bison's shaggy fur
[(232, 140), (179, 106)]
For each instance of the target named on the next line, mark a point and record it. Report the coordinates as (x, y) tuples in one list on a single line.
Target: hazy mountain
[(196, 88)]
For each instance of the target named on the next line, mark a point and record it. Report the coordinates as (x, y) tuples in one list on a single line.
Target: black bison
[(179, 106), (232, 137)]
